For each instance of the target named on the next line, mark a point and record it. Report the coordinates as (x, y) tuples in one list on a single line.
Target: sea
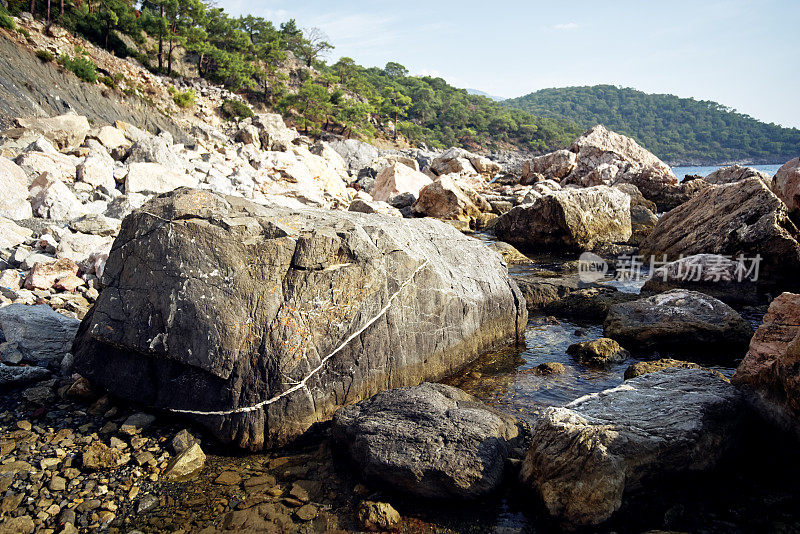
[(680, 172)]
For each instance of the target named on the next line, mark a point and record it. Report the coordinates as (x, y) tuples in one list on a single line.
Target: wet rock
[(378, 516), (15, 375), (136, 423), (430, 440), (330, 279), (307, 512), (228, 478), (397, 179), (743, 218), (186, 465), (718, 276), (769, 371), (576, 219), (38, 332), (786, 184), (642, 368), (587, 455), (14, 184), (65, 131), (677, 319), (549, 368), (598, 352), (18, 525), (99, 457), (736, 173), (182, 441)]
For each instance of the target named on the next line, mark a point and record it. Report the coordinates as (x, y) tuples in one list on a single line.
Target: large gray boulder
[(578, 219), (430, 440), (156, 150), (35, 334), (357, 154), (677, 319), (65, 131), (14, 184), (588, 455), (273, 132), (743, 218), (275, 317)]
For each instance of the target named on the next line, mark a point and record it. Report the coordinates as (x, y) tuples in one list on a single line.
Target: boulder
[(356, 154), (156, 150), (97, 170), (511, 255), (653, 366), (718, 276), (12, 234), (44, 275), (80, 247), (38, 333), (769, 371), (110, 137), (588, 455), (100, 457), (577, 219), (786, 185), (378, 517), (743, 218), (14, 185), (258, 321), (14, 375), (52, 199), (155, 178), (58, 166), (274, 133), (736, 173), (555, 165), (454, 161), (432, 441), (397, 179), (65, 131), (677, 319), (307, 177), (249, 135), (373, 206), (444, 199), (598, 352)]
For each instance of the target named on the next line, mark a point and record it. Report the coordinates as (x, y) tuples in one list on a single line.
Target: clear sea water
[(680, 172)]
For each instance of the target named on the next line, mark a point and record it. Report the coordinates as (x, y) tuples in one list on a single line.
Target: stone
[(100, 457), (57, 483), (186, 465), (40, 334), (182, 441), (97, 170), (415, 440), (511, 255), (155, 178), (16, 375), (444, 199), (65, 131), (573, 219), (598, 352), (18, 525), (679, 320), (769, 370), (555, 165), (736, 173), (549, 368), (718, 276), (58, 166), (455, 161), (156, 150), (52, 199), (366, 206), (228, 478), (397, 179), (136, 423), (587, 456), (786, 184), (96, 224), (332, 272), (10, 278), (743, 218), (12, 234), (356, 154), (45, 274), (249, 135), (642, 368), (274, 133), (111, 137), (378, 517), (307, 512), (14, 185)]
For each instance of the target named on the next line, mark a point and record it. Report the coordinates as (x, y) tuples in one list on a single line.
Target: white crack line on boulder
[(304, 381)]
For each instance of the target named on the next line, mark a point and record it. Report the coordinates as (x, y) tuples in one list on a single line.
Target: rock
[(549, 368), (744, 218), (273, 133), (455, 161), (443, 199), (249, 135), (365, 206), (228, 478), (511, 255), (11, 234), (44, 275), (356, 154), (769, 371), (156, 150), (65, 131), (585, 456), (786, 184), (14, 184), (598, 352), (15, 375), (18, 525), (432, 441), (378, 517), (307, 512), (136, 422), (81, 247), (299, 174), (101, 457), (677, 319), (40, 334), (155, 178), (332, 273), (642, 368), (577, 219), (182, 441), (712, 274), (736, 173), (52, 199), (397, 179), (58, 166), (186, 465), (96, 224), (555, 165), (97, 170), (110, 137)]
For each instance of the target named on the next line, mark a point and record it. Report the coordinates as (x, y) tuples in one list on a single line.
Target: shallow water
[(680, 172)]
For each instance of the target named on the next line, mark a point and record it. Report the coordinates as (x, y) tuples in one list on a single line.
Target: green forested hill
[(678, 130)]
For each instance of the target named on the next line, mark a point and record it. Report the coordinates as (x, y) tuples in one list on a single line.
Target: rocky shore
[(233, 327)]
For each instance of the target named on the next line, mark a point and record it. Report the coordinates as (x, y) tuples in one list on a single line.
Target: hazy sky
[(744, 54)]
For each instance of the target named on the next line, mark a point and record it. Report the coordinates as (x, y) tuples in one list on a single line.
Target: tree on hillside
[(395, 70), (313, 45)]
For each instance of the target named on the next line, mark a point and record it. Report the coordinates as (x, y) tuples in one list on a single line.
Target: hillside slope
[(678, 130)]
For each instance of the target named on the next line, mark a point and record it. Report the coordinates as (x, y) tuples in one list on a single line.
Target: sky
[(743, 54)]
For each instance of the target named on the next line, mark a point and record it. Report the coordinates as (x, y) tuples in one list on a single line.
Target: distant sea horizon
[(705, 170)]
